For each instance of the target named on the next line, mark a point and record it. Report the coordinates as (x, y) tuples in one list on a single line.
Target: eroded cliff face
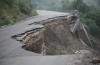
[(58, 38), (32, 39), (55, 38), (35, 42)]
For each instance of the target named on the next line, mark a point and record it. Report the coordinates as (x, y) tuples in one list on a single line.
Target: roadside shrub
[(11, 22), (1, 23), (33, 13), (14, 20), (1, 13), (15, 16), (24, 8), (7, 21)]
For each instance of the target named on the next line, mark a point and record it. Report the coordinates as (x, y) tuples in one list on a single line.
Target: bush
[(14, 20), (16, 9), (1, 13), (94, 28), (33, 13), (25, 8), (83, 8), (7, 21), (84, 21), (94, 16), (15, 16), (1, 23), (92, 25)]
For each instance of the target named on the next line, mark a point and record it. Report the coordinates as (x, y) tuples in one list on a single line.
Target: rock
[(95, 60)]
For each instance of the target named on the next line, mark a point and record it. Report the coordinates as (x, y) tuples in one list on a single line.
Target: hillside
[(12, 11), (45, 4), (54, 4), (93, 3)]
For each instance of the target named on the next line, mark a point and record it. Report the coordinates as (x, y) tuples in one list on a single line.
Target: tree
[(35, 5), (94, 28), (75, 4), (83, 8), (94, 15)]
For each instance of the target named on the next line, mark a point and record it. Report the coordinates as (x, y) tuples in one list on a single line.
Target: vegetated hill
[(55, 4), (13, 10), (45, 4), (95, 3)]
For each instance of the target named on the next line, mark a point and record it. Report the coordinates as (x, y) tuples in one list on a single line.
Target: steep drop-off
[(55, 38), (59, 40)]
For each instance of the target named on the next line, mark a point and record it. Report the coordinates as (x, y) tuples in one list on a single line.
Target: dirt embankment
[(59, 39)]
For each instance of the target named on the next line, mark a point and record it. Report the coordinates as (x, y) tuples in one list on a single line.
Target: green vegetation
[(46, 4), (61, 4), (1, 22), (14, 20), (11, 9), (95, 3), (15, 16), (89, 15)]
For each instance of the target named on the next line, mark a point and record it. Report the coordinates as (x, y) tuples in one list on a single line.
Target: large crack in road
[(55, 38)]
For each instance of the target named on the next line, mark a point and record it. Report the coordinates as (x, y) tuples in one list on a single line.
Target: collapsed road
[(49, 33)]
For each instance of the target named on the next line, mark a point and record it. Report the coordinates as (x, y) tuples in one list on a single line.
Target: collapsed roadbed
[(59, 36)]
